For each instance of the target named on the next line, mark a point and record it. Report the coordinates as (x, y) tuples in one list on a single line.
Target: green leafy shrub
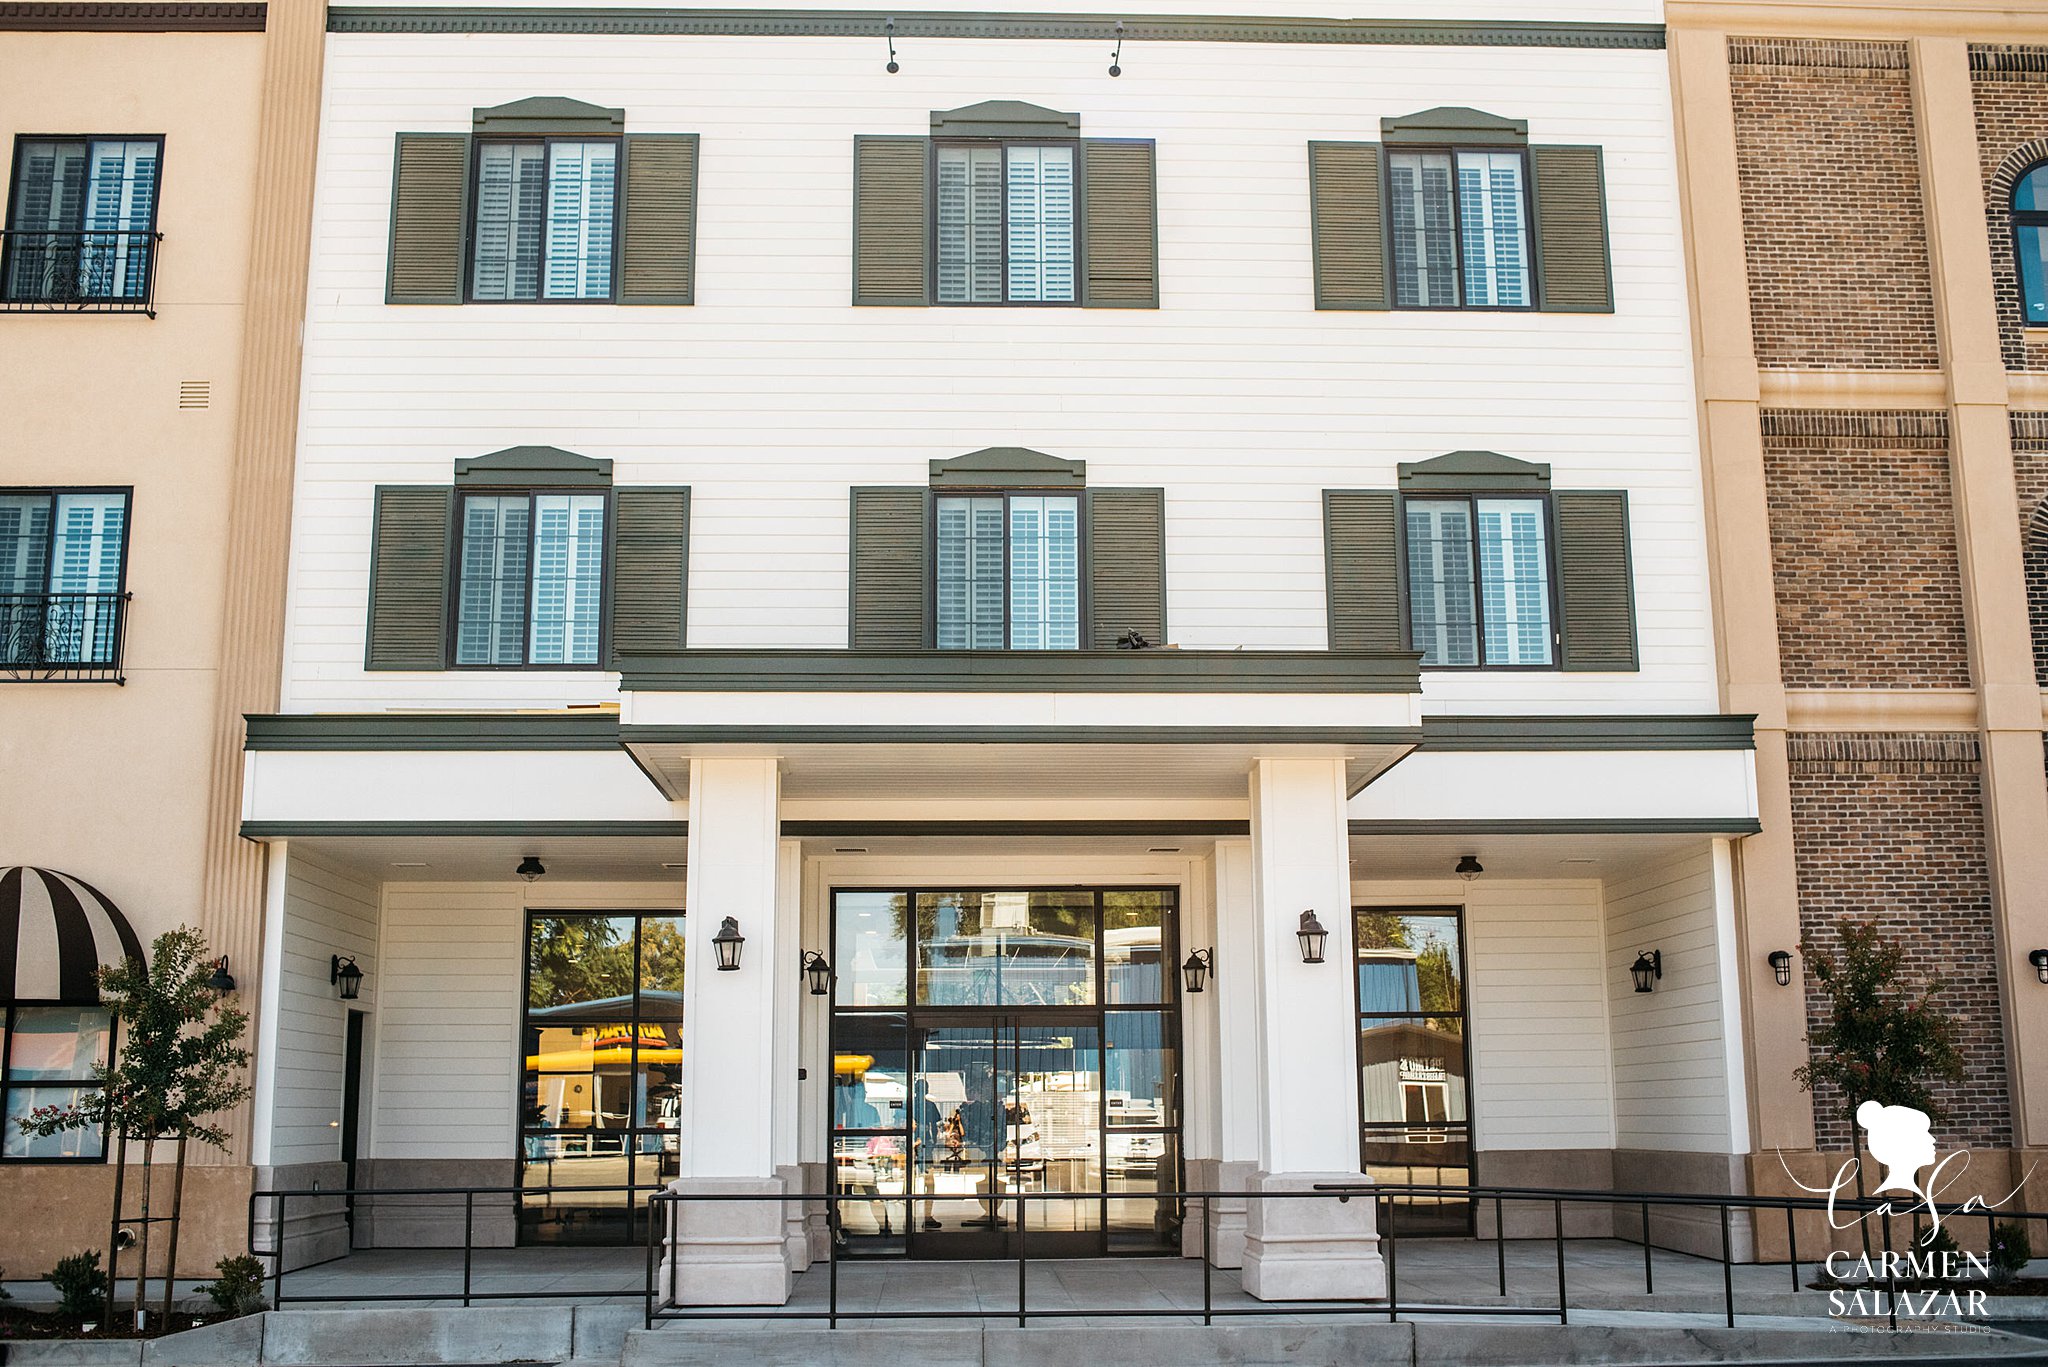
[(239, 1290), (2010, 1252), (81, 1285)]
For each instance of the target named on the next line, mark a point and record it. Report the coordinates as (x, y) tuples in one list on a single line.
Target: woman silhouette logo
[(1902, 1139)]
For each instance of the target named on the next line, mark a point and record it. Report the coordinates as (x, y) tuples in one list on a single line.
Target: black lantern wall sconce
[(726, 945), (1200, 965), (819, 972), (346, 978), (1781, 966), (1647, 969), (2039, 959), (1313, 937), (222, 980)]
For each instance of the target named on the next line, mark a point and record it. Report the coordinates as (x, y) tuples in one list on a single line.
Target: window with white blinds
[(83, 215), (531, 570), (1479, 582), (1459, 217), (1005, 224), (61, 560), (1009, 572), (545, 215)]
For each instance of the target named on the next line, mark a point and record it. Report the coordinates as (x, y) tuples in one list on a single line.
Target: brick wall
[(2011, 90), (2030, 469), (1838, 265), (1891, 827), (1863, 546)]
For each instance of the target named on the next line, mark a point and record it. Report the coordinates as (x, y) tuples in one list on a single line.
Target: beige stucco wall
[(110, 783)]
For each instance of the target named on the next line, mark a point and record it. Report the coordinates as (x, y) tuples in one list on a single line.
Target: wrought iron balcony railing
[(78, 272), (62, 637)]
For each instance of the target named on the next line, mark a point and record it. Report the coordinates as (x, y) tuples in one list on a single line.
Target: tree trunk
[(1856, 1152), (142, 1266), (177, 1208), (114, 1228)]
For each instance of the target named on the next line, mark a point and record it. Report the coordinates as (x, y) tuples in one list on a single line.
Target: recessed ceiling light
[(665, 864), (1578, 861), (410, 866), (1164, 849), (849, 849)]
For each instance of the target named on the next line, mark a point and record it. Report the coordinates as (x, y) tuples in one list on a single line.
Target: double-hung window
[(47, 1058), (81, 222), (1005, 223), (2030, 242), (1479, 581), (545, 219), (1460, 228), (531, 571), (62, 558), (1009, 571)]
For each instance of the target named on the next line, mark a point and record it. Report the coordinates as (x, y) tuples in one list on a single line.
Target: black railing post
[(832, 1228), (468, 1241), (1891, 1268), (1023, 1266), (1500, 1243), (1792, 1244), (277, 1242), (1208, 1270), (1563, 1305), (1727, 1267), (1393, 1258), (1649, 1278), (653, 1208)]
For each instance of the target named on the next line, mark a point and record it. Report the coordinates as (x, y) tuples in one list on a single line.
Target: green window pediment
[(1004, 119), (533, 465), (549, 114), (1008, 467), (1455, 124), (1488, 470)]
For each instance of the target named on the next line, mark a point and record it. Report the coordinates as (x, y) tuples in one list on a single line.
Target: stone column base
[(1318, 1249), (1225, 1215), (726, 1252)]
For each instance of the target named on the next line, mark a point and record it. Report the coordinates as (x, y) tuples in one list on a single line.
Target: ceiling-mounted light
[(1647, 969), (530, 868), (1201, 964), (1313, 937), (1781, 966), (1469, 867), (726, 944)]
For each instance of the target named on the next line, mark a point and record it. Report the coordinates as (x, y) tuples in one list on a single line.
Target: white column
[(1306, 1045), (791, 989), (1233, 1094), (732, 1252), (269, 1005)]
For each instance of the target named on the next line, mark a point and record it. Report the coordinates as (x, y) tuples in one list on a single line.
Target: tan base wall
[(56, 1210)]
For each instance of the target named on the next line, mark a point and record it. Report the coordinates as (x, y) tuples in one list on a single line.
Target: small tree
[(1884, 1037), (180, 1064)]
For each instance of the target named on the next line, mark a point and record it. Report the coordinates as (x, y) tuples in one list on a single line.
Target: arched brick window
[(2037, 588), (2030, 241)]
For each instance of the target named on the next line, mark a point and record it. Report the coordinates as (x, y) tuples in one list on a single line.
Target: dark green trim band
[(1021, 735), (441, 830), (1022, 671), (811, 23), (1707, 732), (386, 731), (1625, 825), (854, 826), (30, 17)]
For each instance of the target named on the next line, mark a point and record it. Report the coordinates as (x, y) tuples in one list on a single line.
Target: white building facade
[(1009, 529)]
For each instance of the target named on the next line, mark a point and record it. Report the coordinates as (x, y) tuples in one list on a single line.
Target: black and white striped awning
[(55, 932)]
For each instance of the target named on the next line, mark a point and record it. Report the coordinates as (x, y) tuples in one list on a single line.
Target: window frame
[(156, 205), (53, 492), (463, 493), (1452, 149), (1082, 605), (1006, 302), (7, 1016), (477, 144), (2016, 219), (1472, 497)]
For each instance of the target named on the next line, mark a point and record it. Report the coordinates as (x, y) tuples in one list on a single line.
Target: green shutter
[(658, 247), (891, 571), (891, 220), (1120, 234), (1126, 565), (1572, 269), (1595, 592), (1362, 565), (429, 218), (1345, 222), (650, 569), (409, 565)]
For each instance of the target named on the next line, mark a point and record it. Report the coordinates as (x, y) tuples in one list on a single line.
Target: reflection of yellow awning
[(583, 1060), (855, 1064)]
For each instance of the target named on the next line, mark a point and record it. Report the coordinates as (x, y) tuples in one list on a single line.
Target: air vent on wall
[(195, 393)]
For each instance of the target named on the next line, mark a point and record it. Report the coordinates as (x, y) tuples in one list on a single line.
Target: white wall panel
[(327, 912), (772, 394)]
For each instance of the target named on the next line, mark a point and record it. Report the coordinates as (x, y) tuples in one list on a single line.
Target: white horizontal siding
[(327, 912), (448, 1025), (1608, 11), (1538, 1017), (1671, 1084), (772, 395)]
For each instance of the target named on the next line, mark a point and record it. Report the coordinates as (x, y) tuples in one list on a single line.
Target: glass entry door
[(987, 1043)]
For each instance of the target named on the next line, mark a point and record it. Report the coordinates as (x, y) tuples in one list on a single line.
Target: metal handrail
[(78, 270)]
